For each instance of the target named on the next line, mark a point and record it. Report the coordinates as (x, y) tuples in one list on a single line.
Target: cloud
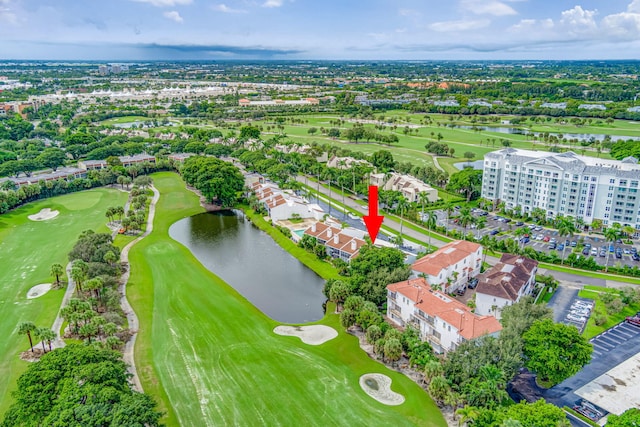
[(462, 25), (623, 25), (410, 12), (174, 16), (579, 20), (484, 7), (226, 9), (6, 13), (273, 3), (164, 3), (197, 51), (634, 6)]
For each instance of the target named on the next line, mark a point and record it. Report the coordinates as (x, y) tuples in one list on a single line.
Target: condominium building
[(564, 184)]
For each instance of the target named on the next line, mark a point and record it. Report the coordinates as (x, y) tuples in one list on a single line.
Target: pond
[(250, 261), (568, 136)]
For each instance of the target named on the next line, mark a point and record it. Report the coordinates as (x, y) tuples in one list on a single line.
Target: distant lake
[(578, 136), (250, 261)]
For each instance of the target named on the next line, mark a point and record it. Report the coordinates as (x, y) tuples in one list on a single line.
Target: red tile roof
[(437, 304), (449, 254)]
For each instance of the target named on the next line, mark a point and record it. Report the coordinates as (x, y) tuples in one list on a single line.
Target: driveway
[(561, 300)]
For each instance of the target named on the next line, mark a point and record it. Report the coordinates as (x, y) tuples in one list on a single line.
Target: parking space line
[(613, 341), (630, 329), (604, 349), (619, 335), (597, 353), (606, 345), (621, 331)]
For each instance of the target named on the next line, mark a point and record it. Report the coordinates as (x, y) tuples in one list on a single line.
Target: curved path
[(132, 319), (57, 324)]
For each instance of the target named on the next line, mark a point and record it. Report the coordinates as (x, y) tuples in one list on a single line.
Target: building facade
[(441, 320), (451, 266), (564, 184), (505, 283)]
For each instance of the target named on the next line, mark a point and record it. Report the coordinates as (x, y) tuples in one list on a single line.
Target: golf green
[(211, 358), (28, 248)]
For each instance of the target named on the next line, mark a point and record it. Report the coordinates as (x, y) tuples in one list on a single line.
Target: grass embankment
[(322, 268), (594, 292), (210, 357), (28, 250)]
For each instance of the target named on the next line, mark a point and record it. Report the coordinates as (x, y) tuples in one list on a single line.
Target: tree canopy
[(555, 351), (629, 418), (79, 386), (216, 179)]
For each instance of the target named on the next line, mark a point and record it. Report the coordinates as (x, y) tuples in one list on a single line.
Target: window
[(612, 181)]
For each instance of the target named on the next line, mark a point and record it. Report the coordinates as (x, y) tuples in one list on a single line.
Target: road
[(579, 278)]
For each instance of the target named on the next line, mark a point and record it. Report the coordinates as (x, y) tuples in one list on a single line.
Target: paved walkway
[(132, 318), (57, 324)]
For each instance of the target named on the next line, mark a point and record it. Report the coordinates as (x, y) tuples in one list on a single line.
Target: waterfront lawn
[(28, 250), (211, 358)]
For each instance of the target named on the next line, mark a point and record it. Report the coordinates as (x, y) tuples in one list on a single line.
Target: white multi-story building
[(505, 284), (441, 320), (451, 266), (564, 184)]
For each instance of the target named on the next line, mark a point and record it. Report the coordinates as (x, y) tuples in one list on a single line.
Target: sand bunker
[(378, 386), (38, 290), (312, 334), (44, 215)]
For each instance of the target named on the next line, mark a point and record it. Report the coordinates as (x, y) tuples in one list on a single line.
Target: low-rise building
[(505, 283), (410, 187), (441, 320), (180, 157), (67, 174), (451, 266), (345, 162), (92, 164), (281, 205), (339, 243), (137, 159)]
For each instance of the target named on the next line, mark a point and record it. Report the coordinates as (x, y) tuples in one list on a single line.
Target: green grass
[(124, 119), (593, 292), (211, 357), (28, 250), (322, 268)]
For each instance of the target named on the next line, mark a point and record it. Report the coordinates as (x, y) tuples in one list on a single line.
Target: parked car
[(546, 238), (484, 213), (581, 303), (618, 254), (611, 248), (494, 232), (633, 250), (574, 243), (626, 251), (553, 240), (634, 320), (603, 253), (532, 227), (579, 319), (519, 224), (619, 241), (540, 237), (579, 312), (473, 283), (524, 240), (635, 257), (461, 291), (585, 251), (594, 251), (538, 228), (552, 245), (561, 246)]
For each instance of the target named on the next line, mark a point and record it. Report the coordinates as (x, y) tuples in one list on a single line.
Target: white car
[(626, 251), (579, 312), (580, 319), (352, 216)]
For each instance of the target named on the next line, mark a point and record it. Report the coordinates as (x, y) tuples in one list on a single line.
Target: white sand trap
[(38, 290), (312, 334), (44, 215), (378, 386)]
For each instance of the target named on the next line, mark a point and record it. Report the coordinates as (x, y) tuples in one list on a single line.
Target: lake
[(250, 261)]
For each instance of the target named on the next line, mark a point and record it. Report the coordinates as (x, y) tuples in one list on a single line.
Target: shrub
[(600, 319)]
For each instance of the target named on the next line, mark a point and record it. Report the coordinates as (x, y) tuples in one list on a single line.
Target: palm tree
[(480, 222), (432, 369), (57, 270), (423, 198), (403, 204), (448, 208), (464, 219), (431, 222), (519, 233), (467, 413), (25, 328), (46, 335), (611, 234), (78, 275), (628, 230), (566, 228)]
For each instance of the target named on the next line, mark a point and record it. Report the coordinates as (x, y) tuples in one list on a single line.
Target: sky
[(319, 29)]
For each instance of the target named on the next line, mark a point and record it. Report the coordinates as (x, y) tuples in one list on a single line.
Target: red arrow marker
[(373, 221)]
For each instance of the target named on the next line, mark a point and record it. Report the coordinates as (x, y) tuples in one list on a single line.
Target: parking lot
[(542, 239), (611, 348)]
